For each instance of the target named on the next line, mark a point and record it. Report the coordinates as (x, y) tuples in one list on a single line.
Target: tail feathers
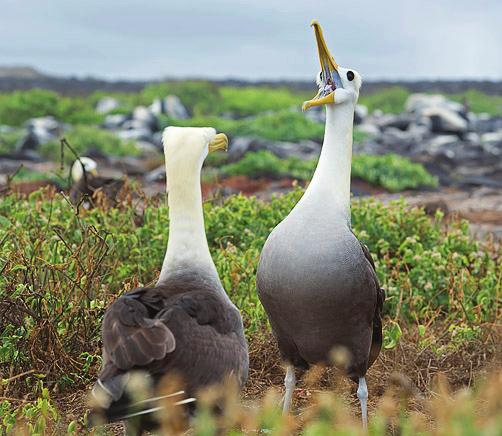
[(105, 408), (155, 409)]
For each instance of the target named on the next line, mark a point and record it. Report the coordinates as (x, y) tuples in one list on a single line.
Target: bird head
[(185, 149), (332, 77), (81, 165)]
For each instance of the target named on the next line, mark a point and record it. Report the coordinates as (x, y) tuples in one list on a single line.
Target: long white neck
[(187, 244), (330, 185)]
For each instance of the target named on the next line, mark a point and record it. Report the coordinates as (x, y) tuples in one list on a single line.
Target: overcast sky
[(255, 39)]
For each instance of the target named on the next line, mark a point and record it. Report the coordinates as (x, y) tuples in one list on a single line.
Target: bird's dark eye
[(350, 75)]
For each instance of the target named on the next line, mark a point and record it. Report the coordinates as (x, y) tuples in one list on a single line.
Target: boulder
[(115, 121), (368, 129), (156, 175), (238, 147), (442, 144), (141, 134), (492, 138), (360, 113), (106, 104), (485, 123), (303, 149), (147, 148), (143, 116), (170, 106), (368, 146), (40, 131), (402, 142), (48, 124), (316, 114), (418, 103), (401, 121), (445, 121)]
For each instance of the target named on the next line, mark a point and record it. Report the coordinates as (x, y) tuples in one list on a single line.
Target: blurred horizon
[(221, 40)]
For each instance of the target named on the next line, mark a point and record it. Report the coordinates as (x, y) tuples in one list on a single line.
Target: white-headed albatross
[(184, 325), (316, 281), (87, 181)]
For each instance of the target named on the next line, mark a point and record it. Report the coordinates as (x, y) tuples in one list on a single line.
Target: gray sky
[(260, 39)]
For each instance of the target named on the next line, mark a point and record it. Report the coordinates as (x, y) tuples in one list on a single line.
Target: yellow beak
[(325, 59), (220, 142), (328, 66)]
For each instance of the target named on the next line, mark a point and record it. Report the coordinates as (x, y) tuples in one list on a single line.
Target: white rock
[(448, 121), (49, 124), (145, 117), (171, 106), (440, 141), (368, 129), (492, 137), (106, 104)]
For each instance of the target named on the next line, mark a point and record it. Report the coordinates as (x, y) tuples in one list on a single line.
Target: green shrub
[(253, 100), (9, 140), (480, 102), (87, 138), (281, 126), (65, 268), (393, 172), (19, 106), (390, 100), (60, 178), (262, 163)]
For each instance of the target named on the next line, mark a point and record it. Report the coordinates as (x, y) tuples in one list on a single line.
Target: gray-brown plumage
[(180, 327), (86, 182), (184, 327), (316, 281)]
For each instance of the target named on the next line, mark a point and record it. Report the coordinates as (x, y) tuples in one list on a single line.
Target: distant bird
[(186, 324), (316, 281), (86, 181)]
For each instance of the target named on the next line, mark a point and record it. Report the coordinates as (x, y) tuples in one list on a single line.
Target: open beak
[(330, 79), (219, 142)]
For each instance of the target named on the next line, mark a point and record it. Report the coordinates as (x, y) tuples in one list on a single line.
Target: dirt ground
[(408, 367)]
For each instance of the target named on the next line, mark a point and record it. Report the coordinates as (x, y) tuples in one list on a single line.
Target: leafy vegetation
[(9, 140), (391, 171), (85, 139), (64, 268), (281, 126), (480, 102), (389, 100), (206, 99), (19, 106), (60, 269)]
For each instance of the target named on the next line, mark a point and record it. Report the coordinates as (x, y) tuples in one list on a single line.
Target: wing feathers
[(131, 338)]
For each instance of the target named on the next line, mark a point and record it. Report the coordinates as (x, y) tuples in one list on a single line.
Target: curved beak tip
[(314, 23)]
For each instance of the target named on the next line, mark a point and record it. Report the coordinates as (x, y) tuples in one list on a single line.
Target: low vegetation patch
[(87, 139), (392, 172), (281, 126), (61, 267)]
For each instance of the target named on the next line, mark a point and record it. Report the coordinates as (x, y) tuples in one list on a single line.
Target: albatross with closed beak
[(185, 325), (316, 281)]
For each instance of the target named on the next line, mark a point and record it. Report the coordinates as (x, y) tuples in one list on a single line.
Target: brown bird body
[(185, 326)]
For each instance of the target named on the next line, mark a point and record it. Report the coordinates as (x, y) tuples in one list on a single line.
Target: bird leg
[(289, 383), (362, 394)]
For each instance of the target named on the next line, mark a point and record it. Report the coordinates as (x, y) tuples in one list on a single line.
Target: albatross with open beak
[(316, 281)]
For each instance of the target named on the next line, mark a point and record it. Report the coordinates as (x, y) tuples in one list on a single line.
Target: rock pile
[(458, 146)]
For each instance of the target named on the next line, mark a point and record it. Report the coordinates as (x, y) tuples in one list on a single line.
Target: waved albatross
[(316, 281), (184, 325), (87, 181)]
